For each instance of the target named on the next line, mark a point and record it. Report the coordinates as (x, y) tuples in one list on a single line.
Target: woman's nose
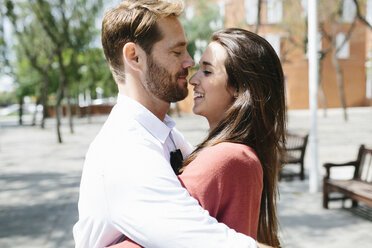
[(194, 79)]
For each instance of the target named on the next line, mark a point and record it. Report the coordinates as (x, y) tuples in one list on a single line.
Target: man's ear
[(134, 56)]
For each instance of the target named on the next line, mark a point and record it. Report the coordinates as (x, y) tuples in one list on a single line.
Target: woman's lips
[(198, 95)]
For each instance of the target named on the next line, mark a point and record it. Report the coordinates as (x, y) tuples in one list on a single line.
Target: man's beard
[(162, 84)]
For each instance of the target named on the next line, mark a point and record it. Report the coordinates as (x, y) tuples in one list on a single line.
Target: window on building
[(251, 8), (221, 6), (304, 8), (219, 24), (189, 12), (348, 11), (274, 11), (369, 80), (274, 40), (344, 52), (369, 11)]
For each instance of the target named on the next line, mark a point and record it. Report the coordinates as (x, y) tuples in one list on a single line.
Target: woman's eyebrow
[(207, 63)]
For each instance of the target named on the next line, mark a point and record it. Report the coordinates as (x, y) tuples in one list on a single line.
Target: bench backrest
[(296, 145), (364, 172)]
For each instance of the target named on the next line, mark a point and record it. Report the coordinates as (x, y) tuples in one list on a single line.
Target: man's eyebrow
[(179, 44)]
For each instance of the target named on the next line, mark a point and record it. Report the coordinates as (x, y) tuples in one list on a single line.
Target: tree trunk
[(20, 111), (59, 96), (321, 94), (258, 23), (78, 111), (340, 83), (44, 99), (58, 111), (89, 105), (69, 110), (360, 16), (58, 121)]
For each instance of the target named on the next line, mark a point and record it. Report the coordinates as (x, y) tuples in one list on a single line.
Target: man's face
[(168, 63)]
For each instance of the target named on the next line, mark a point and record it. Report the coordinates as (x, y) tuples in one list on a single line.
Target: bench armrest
[(328, 166), (297, 148), (350, 163)]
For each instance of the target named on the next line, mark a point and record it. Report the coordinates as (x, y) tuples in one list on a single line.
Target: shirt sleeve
[(148, 204)]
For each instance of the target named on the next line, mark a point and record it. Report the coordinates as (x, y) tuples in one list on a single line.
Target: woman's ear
[(134, 56), (234, 92)]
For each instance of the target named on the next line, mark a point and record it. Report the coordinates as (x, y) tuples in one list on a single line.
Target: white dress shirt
[(128, 186)]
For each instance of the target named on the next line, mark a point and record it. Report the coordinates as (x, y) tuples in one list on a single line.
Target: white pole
[(313, 92)]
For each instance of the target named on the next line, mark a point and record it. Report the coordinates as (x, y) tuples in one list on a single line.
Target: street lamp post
[(313, 93)]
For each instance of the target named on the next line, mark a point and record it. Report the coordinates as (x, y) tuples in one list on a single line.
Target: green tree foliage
[(96, 74), (2, 37), (200, 20), (68, 25), (7, 98), (58, 40)]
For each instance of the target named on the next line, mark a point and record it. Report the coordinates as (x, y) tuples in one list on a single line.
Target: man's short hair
[(134, 21)]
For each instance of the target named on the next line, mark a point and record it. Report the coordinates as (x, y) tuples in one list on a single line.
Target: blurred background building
[(67, 67), (345, 46)]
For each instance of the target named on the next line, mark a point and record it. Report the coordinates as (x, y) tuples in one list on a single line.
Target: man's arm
[(147, 203)]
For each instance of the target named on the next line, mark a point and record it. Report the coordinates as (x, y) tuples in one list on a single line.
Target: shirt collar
[(159, 129)]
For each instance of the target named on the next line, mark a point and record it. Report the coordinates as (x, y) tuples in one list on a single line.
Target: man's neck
[(158, 107)]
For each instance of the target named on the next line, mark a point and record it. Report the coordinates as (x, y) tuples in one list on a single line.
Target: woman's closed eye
[(206, 72)]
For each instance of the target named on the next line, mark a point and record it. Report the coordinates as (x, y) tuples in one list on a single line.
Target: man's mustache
[(183, 73)]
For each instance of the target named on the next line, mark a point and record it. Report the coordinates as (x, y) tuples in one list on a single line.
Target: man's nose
[(189, 62)]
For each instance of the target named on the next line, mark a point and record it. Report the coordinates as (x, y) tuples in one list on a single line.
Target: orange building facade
[(352, 57)]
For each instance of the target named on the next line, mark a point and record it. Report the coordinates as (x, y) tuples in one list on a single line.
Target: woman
[(239, 89)]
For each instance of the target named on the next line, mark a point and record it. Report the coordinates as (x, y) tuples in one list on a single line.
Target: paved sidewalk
[(39, 182), (304, 223)]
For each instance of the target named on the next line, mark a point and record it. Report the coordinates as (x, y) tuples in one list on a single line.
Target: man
[(128, 186)]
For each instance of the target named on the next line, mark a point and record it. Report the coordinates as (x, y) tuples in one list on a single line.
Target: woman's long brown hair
[(257, 116)]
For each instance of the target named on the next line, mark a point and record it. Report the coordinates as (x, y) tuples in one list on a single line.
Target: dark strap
[(176, 161)]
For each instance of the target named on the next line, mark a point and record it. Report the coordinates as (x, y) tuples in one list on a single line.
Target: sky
[(6, 82)]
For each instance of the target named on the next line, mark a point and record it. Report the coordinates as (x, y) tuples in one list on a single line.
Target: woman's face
[(212, 96)]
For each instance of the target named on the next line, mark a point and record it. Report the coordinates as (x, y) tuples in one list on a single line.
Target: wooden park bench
[(295, 148), (359, 188)]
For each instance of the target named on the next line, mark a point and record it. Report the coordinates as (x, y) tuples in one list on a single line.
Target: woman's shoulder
[(226, 154), (224, 163), (231, 150)]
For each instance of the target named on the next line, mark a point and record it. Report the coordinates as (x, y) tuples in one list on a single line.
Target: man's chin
[(185, 93), (182, 91), (179, 96)]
